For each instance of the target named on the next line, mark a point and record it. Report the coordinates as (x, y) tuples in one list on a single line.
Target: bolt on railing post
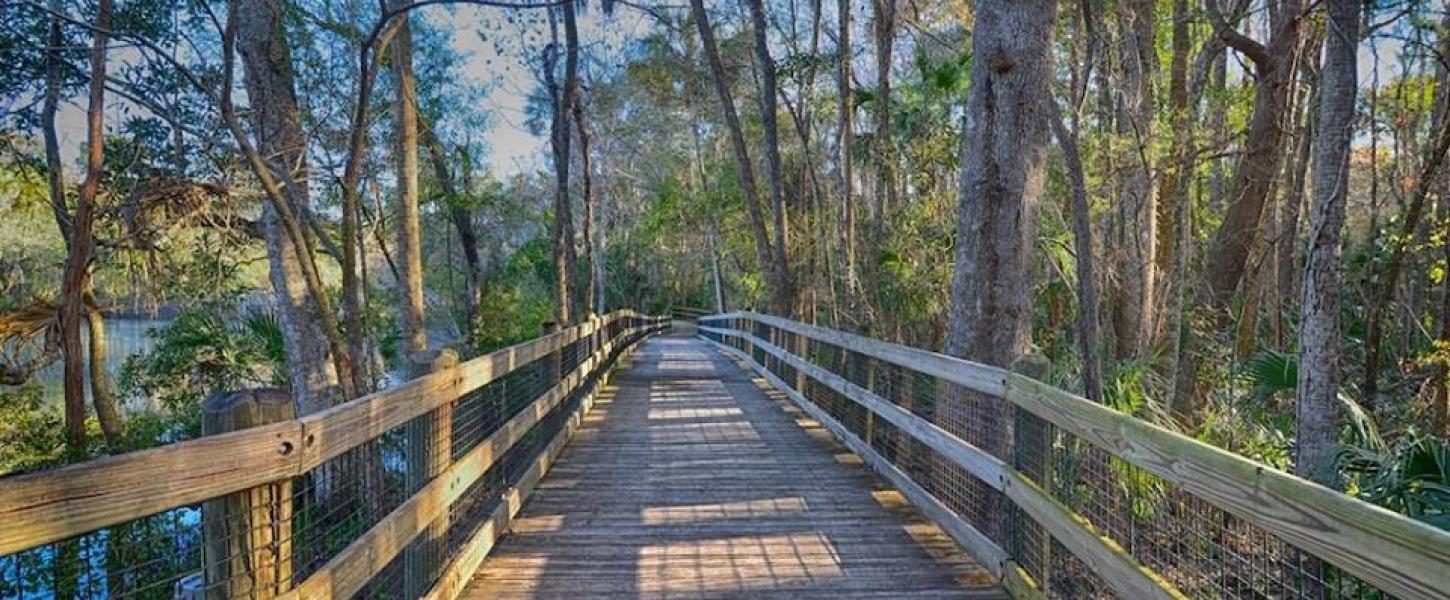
[(247, 535), (429, 451)]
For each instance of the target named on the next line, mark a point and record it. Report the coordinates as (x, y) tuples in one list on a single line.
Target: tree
[(303, 315), (1317, 412), (776, 276), (1136, 225), (770, 131), (410, 236), (1004, 153), (75, 282)]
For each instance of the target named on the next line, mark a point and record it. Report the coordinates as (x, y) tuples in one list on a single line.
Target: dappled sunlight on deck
[(693, 480)]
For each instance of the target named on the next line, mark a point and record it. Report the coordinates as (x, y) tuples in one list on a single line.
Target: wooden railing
[(1067, 498), (323, 505)]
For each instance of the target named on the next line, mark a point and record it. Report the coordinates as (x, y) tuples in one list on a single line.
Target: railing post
[(1030, 457), (430, 451), (247, 536)]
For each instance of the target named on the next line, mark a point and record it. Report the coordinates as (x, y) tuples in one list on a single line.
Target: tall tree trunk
[(1173, 200), (564, 254), (410, 237), (770, 128), (845, 140), (302, 311), (1004, 151), (1317, 408), (75, 281), (1087, 292), (776, 279), (108, 413), (75, 401), (1274, 65), (1137, 65), (884, 26), (593, 270)]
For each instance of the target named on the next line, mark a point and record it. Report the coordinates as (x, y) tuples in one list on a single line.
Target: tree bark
[(776, 279), (565, 257), (267, 62), (770, 129), (1317, 410), (1004, 151), (75, 281), (1137, 273), (1087, 292), (845, 140), (462, 220), (411, 315), (593, 269), (1274, 65), (884, 26)]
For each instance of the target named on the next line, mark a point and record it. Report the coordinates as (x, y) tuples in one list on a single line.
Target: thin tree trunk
[(1385, 285), (593, 282), (75, 280), (884, 26), (845, 140), (1004, 151), (410, 237), (75, 402), (770, 128), (1137, 274), (107, 412), (462, 220), (1087, 310), (777, 280), (1317, 406)]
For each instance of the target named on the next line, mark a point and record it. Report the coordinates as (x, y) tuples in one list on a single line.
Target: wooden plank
[(972, 375), (1103, 556), (989, 469), (40, 508), (1396, 554), (1119, 570), (458, 572), (351, 569), (683, 410), (1020, 585), (983, 549)]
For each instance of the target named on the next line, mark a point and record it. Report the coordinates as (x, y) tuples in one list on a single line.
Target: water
[(124, 337)]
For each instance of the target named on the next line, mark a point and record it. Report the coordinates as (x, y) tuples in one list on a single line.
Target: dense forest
[(1228, 217)]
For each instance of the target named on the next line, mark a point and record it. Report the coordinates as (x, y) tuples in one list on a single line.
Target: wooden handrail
[(49, 506), (1393, 552)]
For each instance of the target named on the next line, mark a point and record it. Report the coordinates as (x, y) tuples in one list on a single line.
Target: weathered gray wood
[(247, 535), (983, 549), (663, 492), (1399, 555), (430, 451), (40, 508), (975, 461), (351, 568)]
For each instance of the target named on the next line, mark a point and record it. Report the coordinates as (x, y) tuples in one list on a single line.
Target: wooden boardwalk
[(690, 479)]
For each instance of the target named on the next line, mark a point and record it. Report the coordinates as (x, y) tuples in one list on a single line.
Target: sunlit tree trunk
[(411, 315), (267, 61), (75, 281), (1004, 152), (845, 139), (1317, 408), (593, 268)]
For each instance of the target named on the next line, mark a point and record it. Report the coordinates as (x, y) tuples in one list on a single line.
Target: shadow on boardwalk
[(691, 479)]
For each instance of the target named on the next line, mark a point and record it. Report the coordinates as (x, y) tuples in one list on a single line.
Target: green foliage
[(200, 352), (31, 433), (1410, 476)]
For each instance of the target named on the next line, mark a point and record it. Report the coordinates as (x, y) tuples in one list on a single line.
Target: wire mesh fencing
[(1186, 542), (267, 540)]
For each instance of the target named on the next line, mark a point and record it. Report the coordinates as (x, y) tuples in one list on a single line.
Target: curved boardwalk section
[(689, 479)]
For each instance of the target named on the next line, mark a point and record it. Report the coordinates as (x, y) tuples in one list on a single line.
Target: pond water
[(124, 337)]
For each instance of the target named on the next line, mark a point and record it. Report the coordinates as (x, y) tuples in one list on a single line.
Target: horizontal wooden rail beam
[(49, 506), (352, 568), (1118, 569), (1390, 551)]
